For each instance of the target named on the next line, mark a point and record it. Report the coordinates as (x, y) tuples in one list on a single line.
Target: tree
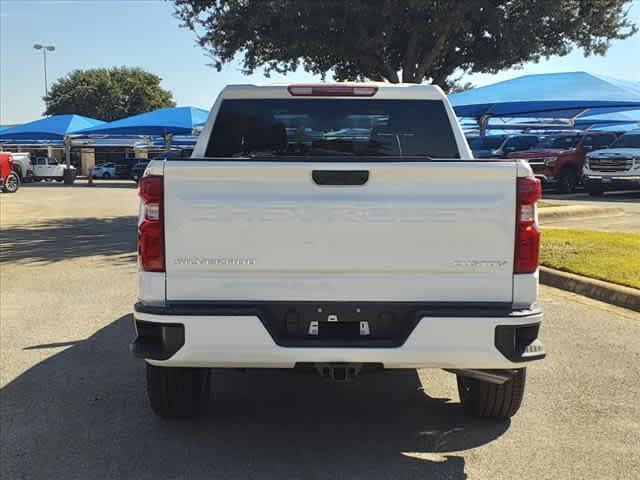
[(107, 94), (423, 39)]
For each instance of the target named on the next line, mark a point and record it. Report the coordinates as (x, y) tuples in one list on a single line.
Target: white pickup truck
[(47, 168), (337, 229), (614, 168)]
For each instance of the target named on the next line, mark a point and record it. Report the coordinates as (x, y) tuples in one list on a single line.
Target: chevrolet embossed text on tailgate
[(412, 232)]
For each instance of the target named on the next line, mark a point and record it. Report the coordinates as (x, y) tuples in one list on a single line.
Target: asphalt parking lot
[(73, 402)]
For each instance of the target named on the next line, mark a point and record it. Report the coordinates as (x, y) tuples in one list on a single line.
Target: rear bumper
[(598, 182), (439, 338)]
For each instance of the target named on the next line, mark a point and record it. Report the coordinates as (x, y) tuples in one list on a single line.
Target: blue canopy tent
[(554, 95), (33, 143), (50, 129), (629, 118), (612, 121), (180, 142), (159, 123), (55, 127)]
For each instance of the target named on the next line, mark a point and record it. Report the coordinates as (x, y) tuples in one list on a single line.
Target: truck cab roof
[(380, 90)]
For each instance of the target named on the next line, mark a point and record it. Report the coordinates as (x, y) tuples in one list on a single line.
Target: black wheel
[(489, 400), (48, 179), (11, 183), (106, 175), (59, 179), (567, 181), (176, 392)]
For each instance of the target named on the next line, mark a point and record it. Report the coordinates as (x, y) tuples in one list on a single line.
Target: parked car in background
[(138, 169), (515, 143), (104, 170), (123, 167), (614, 168), (9, 180), (173, 154), (47, 168), (558, 159), (482, 147), (21, 164)]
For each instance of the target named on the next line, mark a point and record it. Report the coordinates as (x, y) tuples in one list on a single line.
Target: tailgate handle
[(340, 177)]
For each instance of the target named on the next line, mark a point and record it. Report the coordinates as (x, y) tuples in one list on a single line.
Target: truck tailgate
[(415, 231)]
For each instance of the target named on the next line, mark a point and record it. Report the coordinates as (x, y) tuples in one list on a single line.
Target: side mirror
[(587, 148)]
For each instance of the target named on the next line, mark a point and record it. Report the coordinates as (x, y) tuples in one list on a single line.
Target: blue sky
[(103, 33)]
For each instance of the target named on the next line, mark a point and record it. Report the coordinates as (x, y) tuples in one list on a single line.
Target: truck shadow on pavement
[(83, 413), (66, 238)]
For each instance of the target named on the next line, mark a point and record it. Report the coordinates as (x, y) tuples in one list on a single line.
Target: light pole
[(45, 49)]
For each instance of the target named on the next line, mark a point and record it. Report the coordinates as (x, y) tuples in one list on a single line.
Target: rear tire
[(567, 181), (106, 175), (488, 400), (176, 392)]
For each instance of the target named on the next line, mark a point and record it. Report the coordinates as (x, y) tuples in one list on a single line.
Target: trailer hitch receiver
[(339, 372)]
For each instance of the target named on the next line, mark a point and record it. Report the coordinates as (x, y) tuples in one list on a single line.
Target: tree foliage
[(107, 94), (400, 40)]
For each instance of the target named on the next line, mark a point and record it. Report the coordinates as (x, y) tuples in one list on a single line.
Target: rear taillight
[(151, 228), (321, 90), (527, 248)]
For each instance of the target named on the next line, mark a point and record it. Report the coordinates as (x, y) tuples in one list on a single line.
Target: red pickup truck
[(9, 180), (558, 159)]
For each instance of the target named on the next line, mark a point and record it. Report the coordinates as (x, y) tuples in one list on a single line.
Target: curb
[(626, 297), (577, 211)]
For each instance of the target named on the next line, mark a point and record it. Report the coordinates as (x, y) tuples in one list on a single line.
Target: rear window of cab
[(330, 127)]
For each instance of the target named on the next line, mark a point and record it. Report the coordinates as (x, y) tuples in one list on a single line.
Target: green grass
[(610, 256)]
